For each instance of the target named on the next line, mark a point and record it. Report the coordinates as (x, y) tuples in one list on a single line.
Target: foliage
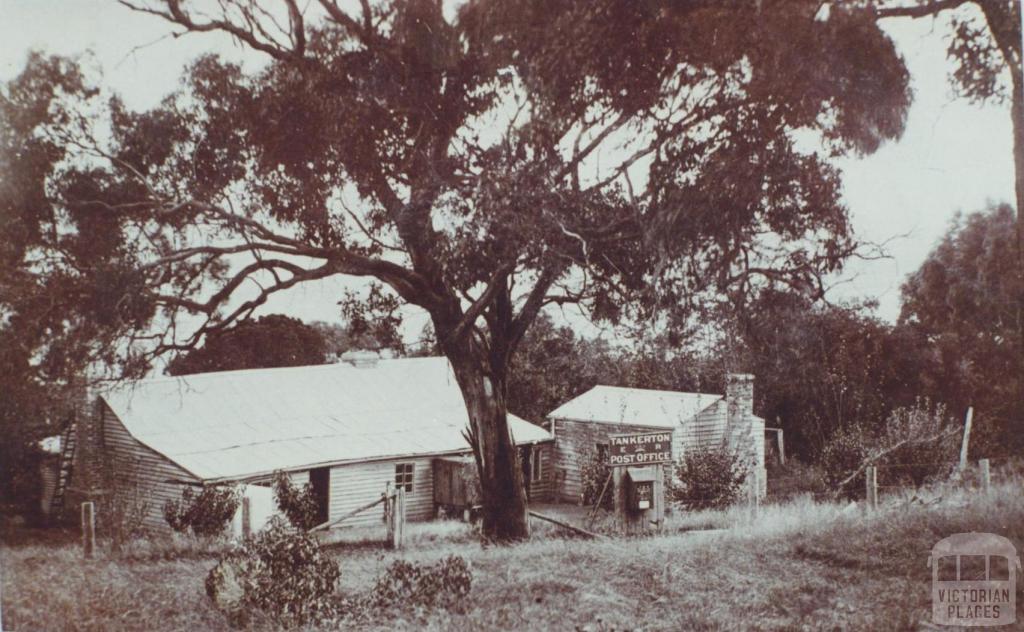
[(594, 472), (985, 50), (795, 478), (446, 583), (709, 478), (701, 104), (121, 515), (554, 365), (283, 573), (932, 450), (206, 513), (821, 368), (915, 445), (848, 448), (298, 504), (266, 342), (963, 301)]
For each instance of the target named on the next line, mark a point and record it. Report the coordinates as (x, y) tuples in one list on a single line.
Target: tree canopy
[(479, 162), (963, 300), (265, 342)]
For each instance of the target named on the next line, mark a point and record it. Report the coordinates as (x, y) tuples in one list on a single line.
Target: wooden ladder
[(67, 460)]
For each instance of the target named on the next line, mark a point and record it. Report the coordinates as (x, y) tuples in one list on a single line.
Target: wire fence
[(894, 478)]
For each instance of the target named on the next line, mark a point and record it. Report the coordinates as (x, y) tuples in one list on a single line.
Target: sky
[(953, 156)]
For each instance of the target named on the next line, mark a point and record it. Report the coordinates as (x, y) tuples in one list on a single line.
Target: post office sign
[(643, 448)]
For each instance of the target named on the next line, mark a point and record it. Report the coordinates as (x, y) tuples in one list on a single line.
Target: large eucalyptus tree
[(480, 161)]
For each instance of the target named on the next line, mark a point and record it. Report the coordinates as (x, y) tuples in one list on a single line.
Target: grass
[(802, 565)]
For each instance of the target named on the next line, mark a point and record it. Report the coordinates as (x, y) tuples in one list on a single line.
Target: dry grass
[(797, 566)]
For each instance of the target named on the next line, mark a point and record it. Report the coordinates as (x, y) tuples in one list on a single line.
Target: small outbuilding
[(581, 426), (348, 429)]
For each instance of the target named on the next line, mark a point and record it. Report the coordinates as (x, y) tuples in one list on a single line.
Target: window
[(537, 465), (403, 476)]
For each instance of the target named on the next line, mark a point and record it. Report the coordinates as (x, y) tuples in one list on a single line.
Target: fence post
[(986, 475), (246, 517), (88, 528), (400, 519), (752, 497), (389, 512), (967, 438), (871, 477)]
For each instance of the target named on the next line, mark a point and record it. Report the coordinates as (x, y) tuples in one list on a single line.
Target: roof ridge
[(656, 390), (279, 369)]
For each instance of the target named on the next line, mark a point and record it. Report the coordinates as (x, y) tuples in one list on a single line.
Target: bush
[(916, 444), (297, 503), (922, 459), (121, 516), (283, 573), (795, 478), (205, 514), (709, 478), (594, 472), (404, 583), (842, 455)]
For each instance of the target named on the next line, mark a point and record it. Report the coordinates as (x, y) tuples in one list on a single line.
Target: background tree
[(985, 49), (962, 302), (262, 343), (821, 368), (481, 164), (53, 320)]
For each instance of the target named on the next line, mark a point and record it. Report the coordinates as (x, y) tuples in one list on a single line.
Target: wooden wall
[(136, 476), (357, 484), (575, 439), (544, 489)]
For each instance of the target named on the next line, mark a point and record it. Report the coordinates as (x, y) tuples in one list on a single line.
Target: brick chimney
[(739, 396), (745, 433)]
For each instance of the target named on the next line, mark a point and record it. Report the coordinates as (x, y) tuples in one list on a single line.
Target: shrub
[(594, 472), (915, 444), (122, 515), (282, 572), (931, 452), (206, 513), (842, 455), (404, 583), (709, 478), (794, 479), (297, 503)]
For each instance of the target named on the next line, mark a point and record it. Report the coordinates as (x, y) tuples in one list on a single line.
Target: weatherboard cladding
[(137, 477), (357, 484), (695, 419), (239, 424), (213, 427)]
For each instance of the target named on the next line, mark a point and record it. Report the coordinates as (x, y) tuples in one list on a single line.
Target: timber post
[(986, 475), (88, 529), (871, 480)]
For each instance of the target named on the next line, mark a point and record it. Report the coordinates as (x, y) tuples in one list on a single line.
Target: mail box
[(640, 487)]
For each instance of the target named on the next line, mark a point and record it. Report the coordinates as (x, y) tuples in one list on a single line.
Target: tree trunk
[(501, 477), (1017, 120)]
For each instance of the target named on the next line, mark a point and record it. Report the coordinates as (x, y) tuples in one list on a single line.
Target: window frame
[(536, 463), (405, 475)]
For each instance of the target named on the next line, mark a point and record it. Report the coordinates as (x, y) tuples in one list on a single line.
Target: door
[(320, 482)]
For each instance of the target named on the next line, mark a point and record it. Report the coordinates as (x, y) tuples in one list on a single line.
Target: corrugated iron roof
[(635, 406), (239, 424)]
